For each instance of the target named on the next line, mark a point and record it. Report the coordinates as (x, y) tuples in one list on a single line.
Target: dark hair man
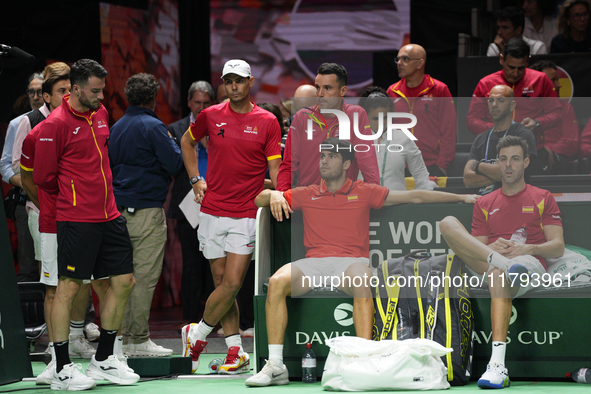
[(72, 162), (537, 114), (43, 225), (490, 250), (482, 169), (144, 158), (244, 140), (336, 213), (310, 126), (560, 142), (510, 23), (196, 275), (431, 102)]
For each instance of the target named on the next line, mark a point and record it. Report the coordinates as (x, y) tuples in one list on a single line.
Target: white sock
[(52, 351), (118, 346), (203, 330), (498, 352), (276, 353), (76, 328), (235, 340), (497, 260)]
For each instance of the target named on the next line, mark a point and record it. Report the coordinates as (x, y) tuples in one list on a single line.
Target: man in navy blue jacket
[(143, 160)]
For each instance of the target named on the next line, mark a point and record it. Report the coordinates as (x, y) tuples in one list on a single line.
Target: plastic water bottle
[(215, 364), (309, 365), (581, 375), (520, 236)]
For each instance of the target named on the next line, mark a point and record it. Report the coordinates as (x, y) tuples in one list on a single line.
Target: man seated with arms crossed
[(490, 251), (337, 204), (481, 169)]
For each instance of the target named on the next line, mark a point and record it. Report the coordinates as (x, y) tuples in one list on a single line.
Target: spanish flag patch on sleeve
[(527, 209), (71, 268)]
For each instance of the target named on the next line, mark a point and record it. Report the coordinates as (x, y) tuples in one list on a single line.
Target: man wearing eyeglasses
[(29, 269), (431, 102)]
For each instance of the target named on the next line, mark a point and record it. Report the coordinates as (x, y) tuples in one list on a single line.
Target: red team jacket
[(302, 156), (436, 118), (533, 84), (72, 161)]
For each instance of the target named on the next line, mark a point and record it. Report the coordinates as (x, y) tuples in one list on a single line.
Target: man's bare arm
[(426, 196), (489, 174), (29, 186)]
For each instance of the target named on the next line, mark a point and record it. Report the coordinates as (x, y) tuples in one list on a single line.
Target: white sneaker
[(495, 377), (46, 376), (92, 332), (148, 348), (123, 360), (192, 347), (272, 374), (72, 378), (248, 333), (79, 347), (113, 370)]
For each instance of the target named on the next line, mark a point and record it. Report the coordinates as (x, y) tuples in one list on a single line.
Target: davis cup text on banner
[(345, 125)]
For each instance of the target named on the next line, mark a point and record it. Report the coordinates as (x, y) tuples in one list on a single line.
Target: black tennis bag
[(424, 296)]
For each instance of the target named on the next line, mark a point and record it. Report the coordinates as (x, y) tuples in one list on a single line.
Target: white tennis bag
[(357, 364)]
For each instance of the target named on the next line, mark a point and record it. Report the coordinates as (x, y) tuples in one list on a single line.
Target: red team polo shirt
[(47, 223), (534, 84), (436, 118), (337, 224), (497, 215), (240, 146)]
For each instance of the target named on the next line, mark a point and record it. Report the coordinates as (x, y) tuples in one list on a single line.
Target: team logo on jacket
[(250, 129), (352, 198), (101, 123), (527, 209), (527, 90)]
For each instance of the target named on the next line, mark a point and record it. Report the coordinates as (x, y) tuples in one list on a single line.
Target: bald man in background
[(431, 102), (304, 96)]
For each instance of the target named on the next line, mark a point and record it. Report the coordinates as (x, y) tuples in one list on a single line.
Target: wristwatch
[(537, 123), (195, 179), (475, 167)]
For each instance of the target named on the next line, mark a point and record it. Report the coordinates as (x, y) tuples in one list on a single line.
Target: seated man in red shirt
[(341, 206), (532, 216)]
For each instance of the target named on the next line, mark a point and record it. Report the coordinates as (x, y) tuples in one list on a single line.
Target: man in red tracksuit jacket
[(538, 113), (431, 102), (72, 162), (300, 158)]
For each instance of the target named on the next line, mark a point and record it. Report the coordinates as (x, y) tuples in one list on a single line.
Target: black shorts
[(100, 249)]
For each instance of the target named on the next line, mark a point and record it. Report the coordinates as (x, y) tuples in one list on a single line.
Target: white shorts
[(48, 246), (528, 261), (48, 259), (327, 271), (219, 235), (33, 222)]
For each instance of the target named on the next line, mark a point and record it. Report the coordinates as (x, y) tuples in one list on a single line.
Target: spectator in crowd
[(285, 108), (244, 140), (28, 266), (278, 112), (305, 96), (510, 22), (574, 29), (482, 169), (71, 161), (538, 113), (503, 263), (560, 142), (540, 24), (144, 158), (311, 126), (585, 146), (196, 280), (395, 154), (431, 102), (221, 95)]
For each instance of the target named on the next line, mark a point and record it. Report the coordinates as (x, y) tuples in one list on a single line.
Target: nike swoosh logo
[(64, 378), (276, 375), (493, 211), (497, 344), (316, 198), (220, 125)]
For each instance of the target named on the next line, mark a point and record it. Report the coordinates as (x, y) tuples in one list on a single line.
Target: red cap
[(308, 345)]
